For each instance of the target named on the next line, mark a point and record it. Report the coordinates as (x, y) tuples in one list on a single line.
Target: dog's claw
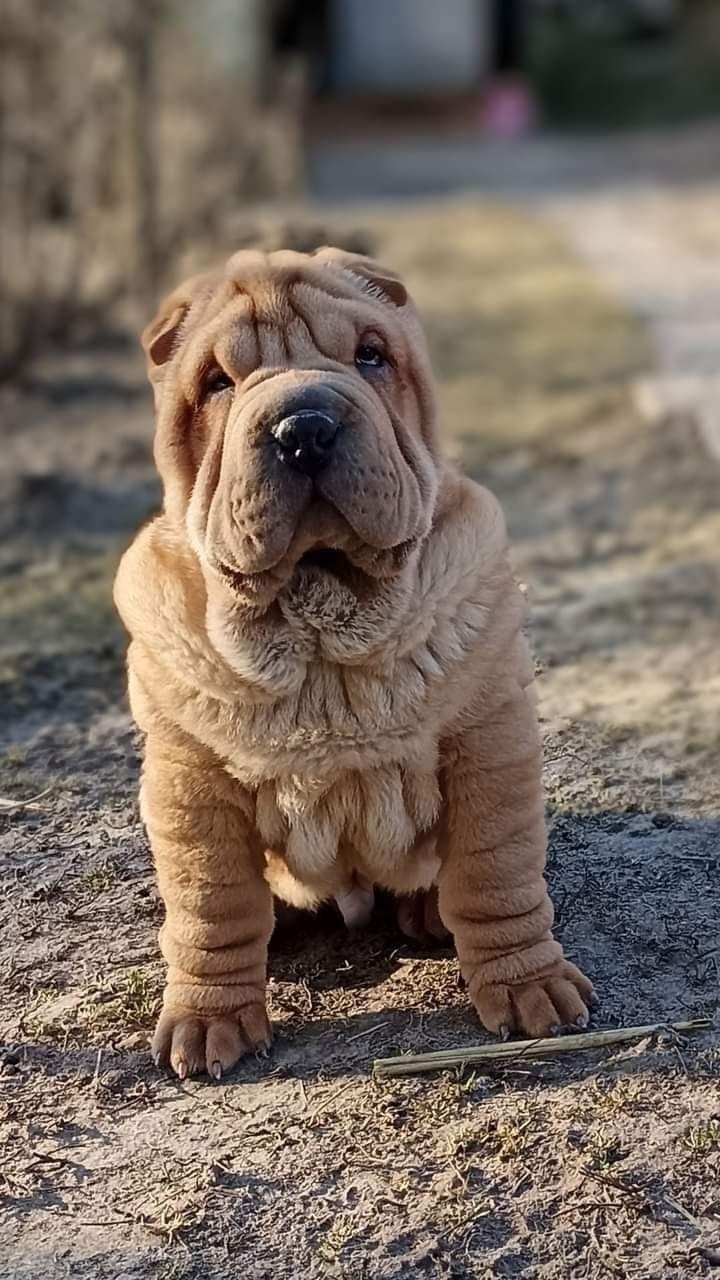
[(182, 1069), (504, 1032), (216, 1071)]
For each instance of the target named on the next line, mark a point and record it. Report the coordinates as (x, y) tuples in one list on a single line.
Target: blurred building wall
[(234, 33), (408, 46)]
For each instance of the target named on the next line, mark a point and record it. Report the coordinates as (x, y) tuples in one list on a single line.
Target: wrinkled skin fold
[(327, 658)]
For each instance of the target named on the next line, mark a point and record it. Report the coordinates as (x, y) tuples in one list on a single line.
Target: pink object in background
[(510, 110)]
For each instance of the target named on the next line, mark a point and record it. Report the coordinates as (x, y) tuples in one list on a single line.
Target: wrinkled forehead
[(267, 309)]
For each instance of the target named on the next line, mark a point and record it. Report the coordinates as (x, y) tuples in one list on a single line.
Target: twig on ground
[(30, 803), (445, 1059), (369, 1031), (684, 1213), (327, 1102), (48, 1157), (96, 1073)]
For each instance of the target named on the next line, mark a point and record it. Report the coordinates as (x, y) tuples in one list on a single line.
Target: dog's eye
[(217, 381), (369, 357)]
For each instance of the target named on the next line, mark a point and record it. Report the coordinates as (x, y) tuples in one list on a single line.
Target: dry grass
[(529, 351)]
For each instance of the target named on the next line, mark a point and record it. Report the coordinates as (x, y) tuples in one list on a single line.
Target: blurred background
[(138, 134), (546, 177)]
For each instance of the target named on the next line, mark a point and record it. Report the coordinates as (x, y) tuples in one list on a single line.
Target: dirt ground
[(606, 1164)]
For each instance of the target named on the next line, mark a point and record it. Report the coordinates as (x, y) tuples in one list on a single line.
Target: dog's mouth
[(356, 568), (329, 559), (322, 559)]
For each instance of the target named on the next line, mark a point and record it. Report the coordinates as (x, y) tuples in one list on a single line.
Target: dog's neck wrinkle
[(341, 692), (318, 620), (274, 693)]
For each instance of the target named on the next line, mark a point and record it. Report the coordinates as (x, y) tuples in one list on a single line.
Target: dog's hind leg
[(355, 902), (418, 917)]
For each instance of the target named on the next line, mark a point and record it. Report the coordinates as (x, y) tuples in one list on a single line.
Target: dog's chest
[(348, 761), (338, 719)]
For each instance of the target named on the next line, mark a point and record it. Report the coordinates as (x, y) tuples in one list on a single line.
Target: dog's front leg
[(492, 891), (219, 913)]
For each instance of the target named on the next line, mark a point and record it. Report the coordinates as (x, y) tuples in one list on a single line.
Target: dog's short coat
[(327, 658)]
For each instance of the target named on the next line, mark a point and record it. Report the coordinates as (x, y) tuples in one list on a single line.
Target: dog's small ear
[(158, 337), (378, 280)]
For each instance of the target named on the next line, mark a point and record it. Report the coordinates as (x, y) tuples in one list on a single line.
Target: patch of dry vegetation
[(530, 352), (126, 135)]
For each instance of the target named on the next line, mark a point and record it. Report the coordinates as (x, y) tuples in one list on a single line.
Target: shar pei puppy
[(327, 658)]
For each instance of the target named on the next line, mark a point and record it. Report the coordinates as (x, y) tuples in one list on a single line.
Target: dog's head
[(296, 418)]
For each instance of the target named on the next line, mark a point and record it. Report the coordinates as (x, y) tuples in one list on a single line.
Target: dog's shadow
[(317, 948), (333, 1009)]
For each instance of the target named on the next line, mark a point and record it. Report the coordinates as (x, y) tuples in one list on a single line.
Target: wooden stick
[(413, 1064), (25, 804)]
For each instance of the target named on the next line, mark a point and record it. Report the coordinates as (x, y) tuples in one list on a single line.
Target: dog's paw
[(557, 1000), (418, 917), (191, 1043)]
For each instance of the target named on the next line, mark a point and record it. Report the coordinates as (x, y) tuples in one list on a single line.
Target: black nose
[(306, 439)]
